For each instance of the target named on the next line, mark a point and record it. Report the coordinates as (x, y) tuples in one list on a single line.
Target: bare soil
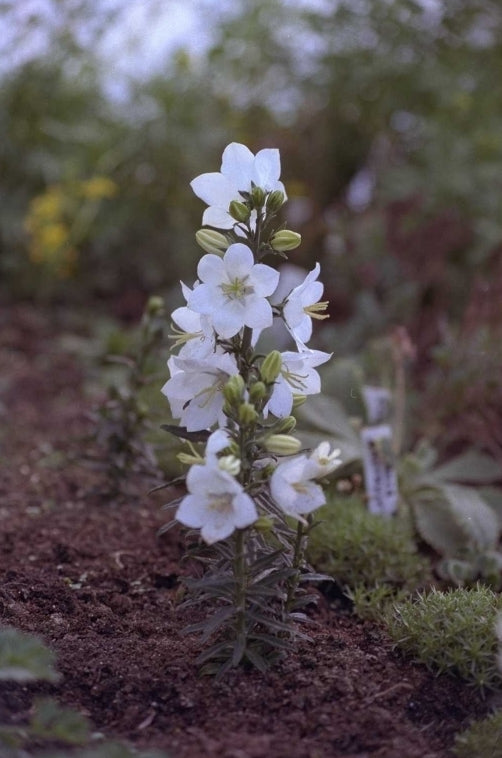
[(96, 581)]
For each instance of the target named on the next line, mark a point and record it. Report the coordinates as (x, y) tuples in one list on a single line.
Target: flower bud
[(271, 367), (211, 241), (155, 305), (234, 389), (239, 211), (286, 425), (282, 444), (187, 459), (298, 400), (258, 197), (230, 463), (275, 200), (247, 414), (264, 524), (285, 240), (257, 392)]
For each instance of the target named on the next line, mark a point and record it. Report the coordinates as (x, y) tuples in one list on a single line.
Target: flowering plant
[(252, 491)]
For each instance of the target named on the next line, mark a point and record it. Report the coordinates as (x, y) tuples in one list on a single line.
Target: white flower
[(322, 461), (195, 388), (292, 487), (193, 332), (302, 305), (233, 291), (298, 377), (216, 503), (239, 169)]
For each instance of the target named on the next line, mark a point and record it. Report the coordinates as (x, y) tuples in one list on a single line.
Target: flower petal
[(218, 217), (214, 189), (265, 279), (267, 168), (245, 510), (210, 269), (237, 165), (238, 260)]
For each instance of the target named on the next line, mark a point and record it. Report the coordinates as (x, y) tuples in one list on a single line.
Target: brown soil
[(95, 580)]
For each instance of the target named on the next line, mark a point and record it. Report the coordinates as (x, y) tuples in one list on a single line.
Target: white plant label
[(379, 471), (378, 401)]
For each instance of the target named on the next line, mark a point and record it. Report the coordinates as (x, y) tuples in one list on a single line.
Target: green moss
[(483, 739), (452, 632), (362, 550)]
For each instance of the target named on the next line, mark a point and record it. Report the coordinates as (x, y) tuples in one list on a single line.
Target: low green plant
[(452, 516), (483, 739), (451, 632), (361, 549), (454, 507), (25, 658), (122, 422)]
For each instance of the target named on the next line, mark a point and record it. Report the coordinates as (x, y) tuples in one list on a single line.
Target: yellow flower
[(53, 236), (97, 187), (48, 205)]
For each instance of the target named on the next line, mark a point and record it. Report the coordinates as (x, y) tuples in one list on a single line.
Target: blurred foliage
[(481, 738), (388, 114)]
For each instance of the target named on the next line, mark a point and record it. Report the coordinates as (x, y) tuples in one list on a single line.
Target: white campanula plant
[(251, 491)]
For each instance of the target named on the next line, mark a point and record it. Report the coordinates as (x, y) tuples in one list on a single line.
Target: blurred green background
[(388, 115)]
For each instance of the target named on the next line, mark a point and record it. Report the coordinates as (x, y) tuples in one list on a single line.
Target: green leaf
[(24, 658), (453, 518), (182, 433), (327, 415), (472, 466), (50, 721)]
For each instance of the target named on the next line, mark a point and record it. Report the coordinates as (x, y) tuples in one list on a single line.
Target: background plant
[(482, 738), (364, 552), (122, 420), (25, 658)]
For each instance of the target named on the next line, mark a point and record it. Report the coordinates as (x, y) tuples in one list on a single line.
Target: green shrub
[(483, 739), (452, 632), (360, 549)]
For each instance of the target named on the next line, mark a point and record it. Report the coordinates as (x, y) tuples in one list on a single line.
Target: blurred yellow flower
[(53, 236), (98, 187)]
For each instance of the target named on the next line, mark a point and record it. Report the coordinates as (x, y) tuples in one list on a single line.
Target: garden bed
[(93, 578)]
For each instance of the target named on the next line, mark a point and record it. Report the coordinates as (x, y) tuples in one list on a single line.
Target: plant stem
[(298, 552), (240, 576)]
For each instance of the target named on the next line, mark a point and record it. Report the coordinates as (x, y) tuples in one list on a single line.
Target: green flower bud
[(155, 305), (285, 240), (141, 409), (298, 400), (275, 200), (189, 460), (247, 414), (258, 197), (239, 211), (264, 524), (282, 444), (234, 389), (230, 463), (271, 367), (211, 241), (286, 425), (257, 392)]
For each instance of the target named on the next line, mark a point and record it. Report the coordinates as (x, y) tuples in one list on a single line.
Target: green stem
[(240, 576), (298, 552)]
